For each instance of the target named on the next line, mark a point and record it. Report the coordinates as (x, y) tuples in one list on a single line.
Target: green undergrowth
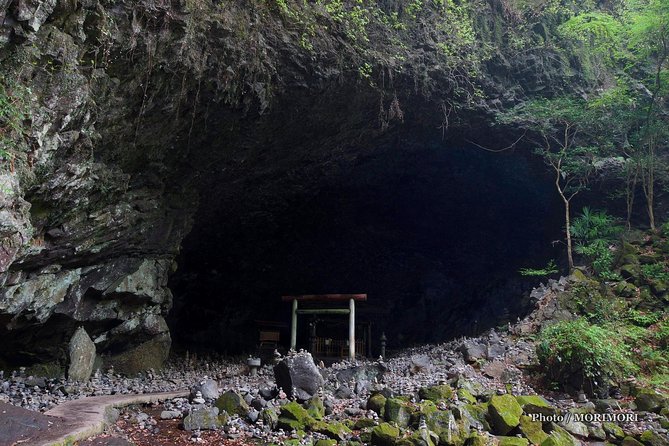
[(620, 327), (13, 116)]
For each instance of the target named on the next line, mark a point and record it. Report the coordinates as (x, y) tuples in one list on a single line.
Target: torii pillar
[(325, 298)]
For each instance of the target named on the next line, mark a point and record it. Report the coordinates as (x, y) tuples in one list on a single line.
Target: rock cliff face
[(120, 118)]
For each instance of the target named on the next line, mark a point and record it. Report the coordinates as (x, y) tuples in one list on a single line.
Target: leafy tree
[(556, 124), (633, 39)]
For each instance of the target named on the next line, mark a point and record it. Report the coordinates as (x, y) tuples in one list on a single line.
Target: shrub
[(582, 355), (594, 232), (655, 272)]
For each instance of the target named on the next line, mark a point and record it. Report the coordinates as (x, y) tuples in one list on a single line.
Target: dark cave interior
[(435, 235)]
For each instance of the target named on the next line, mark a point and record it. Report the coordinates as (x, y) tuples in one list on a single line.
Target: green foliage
[(655, 272), (592, 226), (549, 269), (595, 232), (643, 318), (587, 299), (580, 351), (601, 31), (13, 113)]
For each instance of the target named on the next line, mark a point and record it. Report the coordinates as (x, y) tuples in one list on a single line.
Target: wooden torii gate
[(351, 298)]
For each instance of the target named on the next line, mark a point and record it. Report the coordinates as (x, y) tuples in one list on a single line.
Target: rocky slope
[(116, 116)]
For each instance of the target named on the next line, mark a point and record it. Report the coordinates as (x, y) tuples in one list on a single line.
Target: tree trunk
[(567, 224)]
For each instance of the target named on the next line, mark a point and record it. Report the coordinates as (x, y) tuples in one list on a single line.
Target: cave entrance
[(435, 235)]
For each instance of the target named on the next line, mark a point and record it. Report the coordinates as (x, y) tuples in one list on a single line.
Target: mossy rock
[(326, 443), (397, 411), (578, 276), (532, 430), (466, 395), (423, 437), (664, 422), (613, 430), (472, 387), (560, 437), (625, 289), (512, 441), (476, 439), (631, 271), (315, 408), (362, 423), (436, 393), (49, 370), (292, 442), (335, 429), (426, 408), (652, 438), (269, 417), (659, 287), (504, 413), (631, 441), (475, 414), (451, 431), (232, 403), (377, 403), (596, 433), (535, 404), (366, 435), (649, 400), (385, 434), (294, 416)]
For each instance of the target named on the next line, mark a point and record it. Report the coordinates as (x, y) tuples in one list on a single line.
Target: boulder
[(576, 428), (476, 439), (170, 414), (208, 388), (532, 430), (436, 393), (362, 423), (315, 408), (649, 400), (596, 433), (294, 416), (384, 434), (377, 403), (232, 403), (473, 351), (269, 417), (559, 437), (334, 430), (466, 395), (147, 355), (512, 441), (631, 441), (535, 404), (475, 414), (504, 412), (82, 356), (613, 430), (652, 438), (363, 376), (202, 419), (397, 411), (420, 364), (451, 431), (299, 375)]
